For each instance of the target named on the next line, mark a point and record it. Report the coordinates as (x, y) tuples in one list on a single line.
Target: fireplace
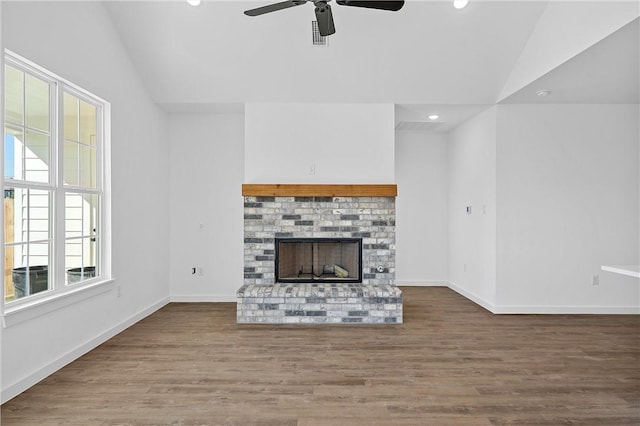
[(306, 260), (369, 220), (319, 254)]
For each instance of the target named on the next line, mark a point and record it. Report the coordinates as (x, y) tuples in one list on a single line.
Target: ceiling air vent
[(318, 40), (419, 126)]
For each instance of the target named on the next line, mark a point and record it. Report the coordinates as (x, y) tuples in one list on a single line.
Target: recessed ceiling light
[(460, 4), (194, 2), (433, 117), (543, 92)]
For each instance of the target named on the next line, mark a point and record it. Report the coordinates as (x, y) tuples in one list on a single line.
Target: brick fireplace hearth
[(370, 218)]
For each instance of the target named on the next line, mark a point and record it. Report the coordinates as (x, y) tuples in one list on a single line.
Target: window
[(53, 183)]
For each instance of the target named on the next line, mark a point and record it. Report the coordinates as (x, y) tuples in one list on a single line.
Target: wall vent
[(318, 40), (419, 126)]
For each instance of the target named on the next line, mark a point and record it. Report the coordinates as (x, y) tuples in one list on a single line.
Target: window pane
[(13, 149), (39, 255), (38, 215), (9, 217), (71, 163), (92, 206), (73, 215), (88, 127), (73, 253), (80, 259), (81, 214), (13, 95), (36, 165), (70, 117), (27, 213), (29, 264), (9, 293), (36, 103), (87, 167)]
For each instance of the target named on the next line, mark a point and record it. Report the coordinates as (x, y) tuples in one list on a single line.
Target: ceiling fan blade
[(274, 7), (325, 19), (374, 4)]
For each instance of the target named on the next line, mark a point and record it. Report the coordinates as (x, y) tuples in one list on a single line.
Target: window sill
[(28, 311)]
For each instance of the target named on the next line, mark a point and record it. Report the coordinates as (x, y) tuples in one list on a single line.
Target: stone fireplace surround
[(323, 211)]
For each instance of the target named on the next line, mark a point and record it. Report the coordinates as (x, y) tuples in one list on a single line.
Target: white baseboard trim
[(422, 283), (544, 309), (199, 298), (22, 385), (473, 297), (568, 310)]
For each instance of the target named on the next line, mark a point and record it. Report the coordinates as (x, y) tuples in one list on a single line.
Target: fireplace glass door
[(318, 260)]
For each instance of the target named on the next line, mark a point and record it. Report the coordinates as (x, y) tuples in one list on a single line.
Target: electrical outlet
[(595, 279), (464, 267), (200, 271), (118, 292)]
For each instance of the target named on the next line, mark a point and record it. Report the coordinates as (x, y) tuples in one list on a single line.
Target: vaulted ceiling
[(426, 56)]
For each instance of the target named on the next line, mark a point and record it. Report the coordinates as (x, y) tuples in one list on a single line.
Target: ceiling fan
[(323, 10)]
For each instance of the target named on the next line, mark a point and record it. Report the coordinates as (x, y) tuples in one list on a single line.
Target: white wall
[(471, 166), (319, 143), (77, 41), (421, 209), (567, 203), (206, 181)]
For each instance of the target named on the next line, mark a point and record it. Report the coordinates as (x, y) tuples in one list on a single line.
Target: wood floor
[(450, 363)]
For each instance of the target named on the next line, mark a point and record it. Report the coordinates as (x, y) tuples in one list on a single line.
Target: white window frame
[(61, 294)]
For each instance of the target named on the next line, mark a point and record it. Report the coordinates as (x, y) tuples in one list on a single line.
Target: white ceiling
[(607, 72), (426, 57)]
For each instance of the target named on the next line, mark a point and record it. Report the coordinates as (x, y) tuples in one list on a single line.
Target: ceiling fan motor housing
[(323, 10)]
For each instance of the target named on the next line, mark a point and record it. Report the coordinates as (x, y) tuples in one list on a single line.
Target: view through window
[(53, 182)]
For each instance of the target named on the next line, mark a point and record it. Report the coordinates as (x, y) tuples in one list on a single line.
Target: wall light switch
[(468, 209)]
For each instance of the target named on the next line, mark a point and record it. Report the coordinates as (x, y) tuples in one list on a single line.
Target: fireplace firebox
[(306, 260)]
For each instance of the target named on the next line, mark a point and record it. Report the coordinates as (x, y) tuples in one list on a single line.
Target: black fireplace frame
[(315, 279)]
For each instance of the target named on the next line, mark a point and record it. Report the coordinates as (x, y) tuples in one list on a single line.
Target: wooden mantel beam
[(319, 190)]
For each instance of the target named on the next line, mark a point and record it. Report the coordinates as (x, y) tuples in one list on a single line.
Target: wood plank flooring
[(450, 363)]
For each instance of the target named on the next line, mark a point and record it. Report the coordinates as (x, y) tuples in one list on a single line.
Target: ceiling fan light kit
[(318, 40), (324, 16)]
